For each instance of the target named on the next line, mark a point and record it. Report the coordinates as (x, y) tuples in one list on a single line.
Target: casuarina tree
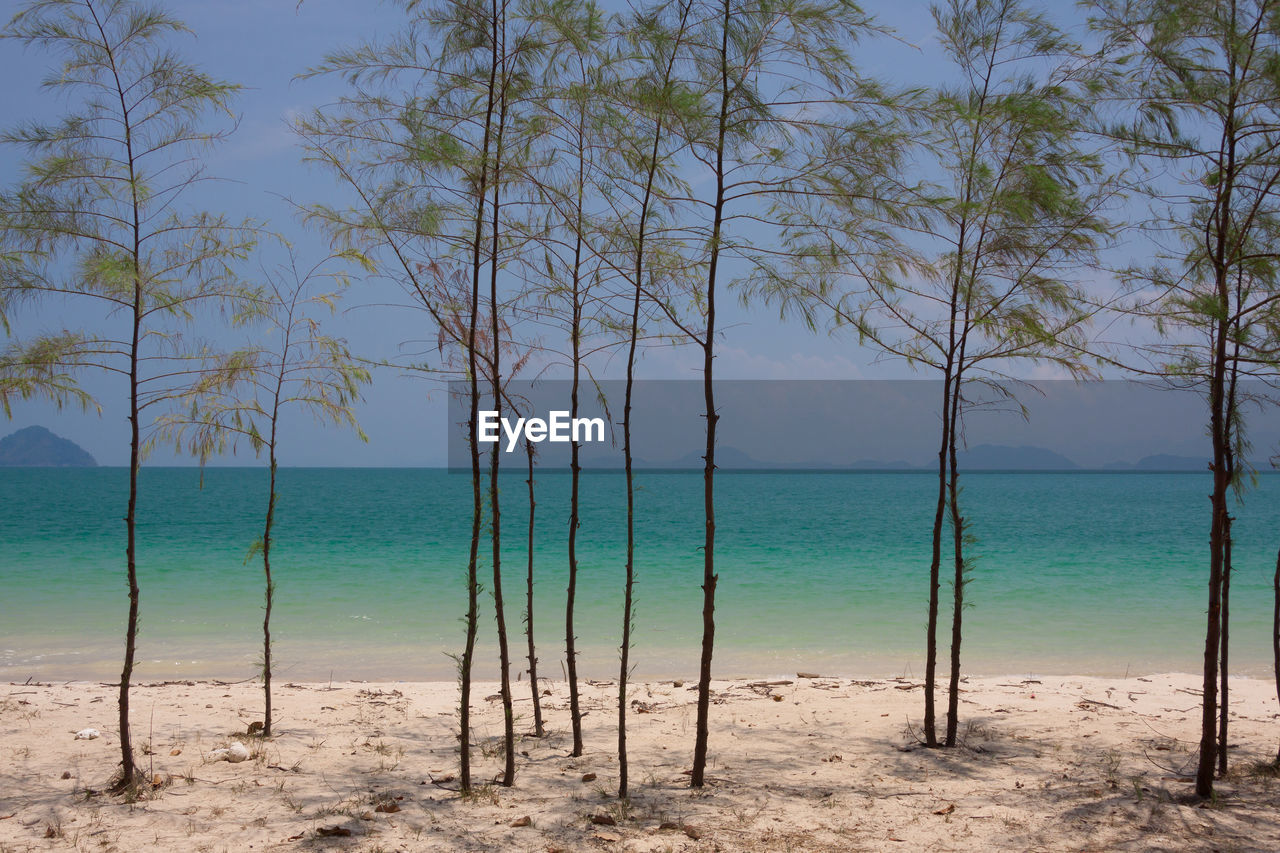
[(102, 217)]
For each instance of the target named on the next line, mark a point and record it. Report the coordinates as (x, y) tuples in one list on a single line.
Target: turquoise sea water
[(1079, 572)]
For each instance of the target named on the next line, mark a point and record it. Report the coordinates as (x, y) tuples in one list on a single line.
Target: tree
[(243, 394), (1016, 216), (1203, 112), (538, 729), (101, 218), (762, 81), (1020, 217), (508, 82), (649, 105), (969, 275), (570, 117), (419, 141)]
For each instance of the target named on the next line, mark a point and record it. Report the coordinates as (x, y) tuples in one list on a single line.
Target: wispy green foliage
[(644, 101), (1017, 219), (767, 87), (99, 213), (566, 183), (432, 140), (244, 393), (1020, 213), (291, 363), (977, 267), (100, 218), (1199, 95)]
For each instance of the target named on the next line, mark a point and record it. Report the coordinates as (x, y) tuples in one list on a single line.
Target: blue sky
[(264, 44)]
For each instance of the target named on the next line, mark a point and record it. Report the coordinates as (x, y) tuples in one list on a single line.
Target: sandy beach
[(821, 764)]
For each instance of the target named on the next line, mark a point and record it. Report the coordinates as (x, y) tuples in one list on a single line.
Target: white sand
[(1060, 763)]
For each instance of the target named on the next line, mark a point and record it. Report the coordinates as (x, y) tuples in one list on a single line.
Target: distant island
[(1000, 457), (35, 446), (981, 457), (1162, 462)]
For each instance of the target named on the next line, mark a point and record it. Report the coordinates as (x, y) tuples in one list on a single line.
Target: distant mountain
[(1000, 457), (879, 465), (726, 457), (1162, 462), (35, 446), (982, 457)]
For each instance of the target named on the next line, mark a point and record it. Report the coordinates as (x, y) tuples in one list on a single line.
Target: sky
[(264, 45)]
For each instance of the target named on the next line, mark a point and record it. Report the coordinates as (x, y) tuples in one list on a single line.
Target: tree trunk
[(575, 472), (957, 612), (629, 584), (270, 595), (1217, 537), (495, 510), (1232, 443), (697, 778), (504, 654), (628, 471), (473, 580), (1224, 648), (128, 770), (477, 509), (957, 520), (538, 730), (575, 332), (935, 573), (1275, 632)]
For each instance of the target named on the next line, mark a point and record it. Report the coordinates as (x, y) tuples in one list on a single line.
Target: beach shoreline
[(1046, 763)]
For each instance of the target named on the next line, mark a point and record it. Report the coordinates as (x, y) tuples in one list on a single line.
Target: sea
[(1086, 573)]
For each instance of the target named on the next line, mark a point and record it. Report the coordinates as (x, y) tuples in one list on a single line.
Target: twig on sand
[(1102, 704)]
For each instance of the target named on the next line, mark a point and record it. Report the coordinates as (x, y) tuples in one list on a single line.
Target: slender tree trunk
[(1224, 638), (709, 577), (951, 376), (1224, 647), (628, 469), (957, 519), (270, 592), (571, 593), (1217, 538), (957, 535), (477, 509), (1232, 426), (575, 469), (935, 572), (628, 473), (1275, 632), (624, 671), (538, 730), (1220, 226), (1219, 431), (473, 579), (128, 770), (629, 584), (504, 653)]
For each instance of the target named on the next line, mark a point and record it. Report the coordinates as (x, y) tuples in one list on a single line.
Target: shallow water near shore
[(1087, 573)]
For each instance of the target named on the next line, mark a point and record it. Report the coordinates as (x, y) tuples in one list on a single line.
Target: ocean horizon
[(1082, 572)]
